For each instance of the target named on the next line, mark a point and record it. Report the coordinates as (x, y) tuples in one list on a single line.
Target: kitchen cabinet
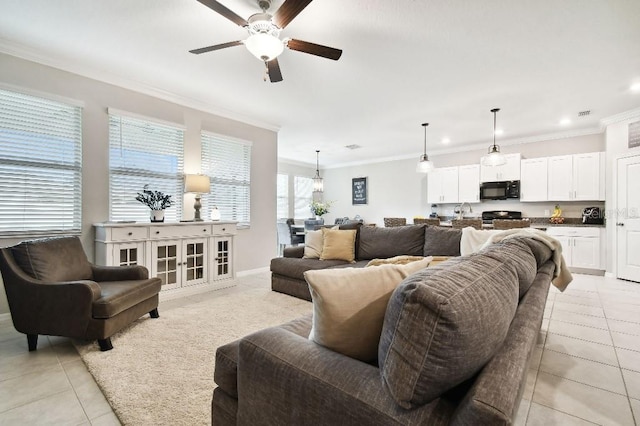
[(582, 247), (533, 179), (576, 177), (469, 183), (442, 185), (180, 254), (508, 171)]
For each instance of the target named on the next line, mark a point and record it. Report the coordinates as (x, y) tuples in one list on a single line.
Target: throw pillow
[(338, 245), (441, 241), (349, 305), (313, 244)]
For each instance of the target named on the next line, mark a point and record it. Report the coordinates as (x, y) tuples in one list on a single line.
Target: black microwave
[(500, 190)]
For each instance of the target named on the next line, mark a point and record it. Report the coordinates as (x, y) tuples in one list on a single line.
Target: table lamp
[(198, 184)]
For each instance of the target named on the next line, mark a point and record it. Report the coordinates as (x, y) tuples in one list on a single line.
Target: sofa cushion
[(382, 243), (349, 305), (442, 241), (53, 259), (313, 244), (118, 296), (518, 253), (338, 244), (295, 267), (443, 324)]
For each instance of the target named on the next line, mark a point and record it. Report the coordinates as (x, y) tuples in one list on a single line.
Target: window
[(143, 152), (228, 164), (303, 195), (40, 165), (283, 196)]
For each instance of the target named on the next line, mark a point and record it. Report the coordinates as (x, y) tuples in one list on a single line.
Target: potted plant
[(157, 201), (318, 209)]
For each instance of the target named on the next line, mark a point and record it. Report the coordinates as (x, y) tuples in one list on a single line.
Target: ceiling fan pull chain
[(266, 71)]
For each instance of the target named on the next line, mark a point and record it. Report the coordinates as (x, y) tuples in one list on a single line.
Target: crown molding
[(23, 52), (298, 163), (623, 116)]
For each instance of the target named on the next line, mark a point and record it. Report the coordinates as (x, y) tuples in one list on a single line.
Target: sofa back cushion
[(380, 243), (443, 324), (53, 259), (442, 241), (517, 252)]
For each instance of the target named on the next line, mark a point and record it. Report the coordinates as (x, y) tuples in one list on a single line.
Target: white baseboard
[(252, 271), (196, 289), (609, 275)]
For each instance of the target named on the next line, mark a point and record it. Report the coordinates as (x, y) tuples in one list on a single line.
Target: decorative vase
[(157, 215)]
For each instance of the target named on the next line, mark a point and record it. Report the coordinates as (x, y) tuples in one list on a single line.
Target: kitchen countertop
[(536, 222)]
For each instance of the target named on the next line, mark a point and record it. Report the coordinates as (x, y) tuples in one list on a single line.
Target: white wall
[(396, 190), (254, 247), (617, 146)]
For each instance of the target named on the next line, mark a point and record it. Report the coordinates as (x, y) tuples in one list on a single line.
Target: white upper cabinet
[(508, 171), (442, 185), (469, 183), (533, 179), (576, 177)]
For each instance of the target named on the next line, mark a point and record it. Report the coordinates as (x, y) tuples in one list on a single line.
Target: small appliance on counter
[(488, 216), (592, 216), (434, 211)]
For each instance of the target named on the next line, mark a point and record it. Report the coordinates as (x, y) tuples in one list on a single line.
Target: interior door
[(628, 218)]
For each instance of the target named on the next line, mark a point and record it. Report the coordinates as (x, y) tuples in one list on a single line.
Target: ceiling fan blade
[(275, 75), (289, 10), (314, 49), (222, 10), (216, 47)]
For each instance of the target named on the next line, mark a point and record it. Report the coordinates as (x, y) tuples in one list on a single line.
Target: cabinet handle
[(130, 233), (224, 229), (619, 224), (204, 230), (157, 232)]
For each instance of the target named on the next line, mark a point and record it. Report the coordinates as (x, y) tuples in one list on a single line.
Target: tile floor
[(586, 367)]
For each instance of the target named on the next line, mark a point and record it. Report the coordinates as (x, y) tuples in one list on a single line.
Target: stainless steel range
[(488, 216)]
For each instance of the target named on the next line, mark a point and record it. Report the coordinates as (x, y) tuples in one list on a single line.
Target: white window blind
[(228, 165), (303, 194), (283, 196), (40, 166), (144, 152)]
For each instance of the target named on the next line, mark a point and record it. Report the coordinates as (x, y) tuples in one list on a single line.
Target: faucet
[(461, 209)]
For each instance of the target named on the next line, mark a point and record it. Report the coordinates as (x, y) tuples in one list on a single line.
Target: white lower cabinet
[(181, 255), (581, 246)]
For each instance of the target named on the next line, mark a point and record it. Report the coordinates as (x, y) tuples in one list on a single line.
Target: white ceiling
[(405, 62)]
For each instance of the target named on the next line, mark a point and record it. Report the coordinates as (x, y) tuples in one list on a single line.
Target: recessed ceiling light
[(565, 122), (446, 140), (499, 132), (635, 87)]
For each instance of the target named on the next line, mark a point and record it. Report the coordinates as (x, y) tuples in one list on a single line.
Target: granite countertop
[(536, 222)]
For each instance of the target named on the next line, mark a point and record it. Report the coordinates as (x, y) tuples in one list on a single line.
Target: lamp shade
[(264, 46), (197, 183)]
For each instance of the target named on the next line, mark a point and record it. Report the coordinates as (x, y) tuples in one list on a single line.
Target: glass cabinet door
[(222, 261), (194, 261), (166, 261), (129, 254)]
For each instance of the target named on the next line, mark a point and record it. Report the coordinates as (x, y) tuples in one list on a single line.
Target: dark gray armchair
[(52, 289)]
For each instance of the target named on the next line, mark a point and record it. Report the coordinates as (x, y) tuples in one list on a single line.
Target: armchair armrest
[(291, 380), (294, 251), (119, 273)]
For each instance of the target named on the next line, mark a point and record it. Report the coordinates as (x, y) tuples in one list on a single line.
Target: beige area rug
[(160, 371)]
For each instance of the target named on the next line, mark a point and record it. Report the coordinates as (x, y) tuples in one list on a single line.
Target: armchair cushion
[(53, 259), (118, 296)]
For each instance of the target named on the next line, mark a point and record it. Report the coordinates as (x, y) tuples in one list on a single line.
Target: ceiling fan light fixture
[(424, 164), (494, 157), (265, 47)]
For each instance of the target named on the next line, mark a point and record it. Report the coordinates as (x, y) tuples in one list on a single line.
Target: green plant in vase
[(157, 201), (318, 209)]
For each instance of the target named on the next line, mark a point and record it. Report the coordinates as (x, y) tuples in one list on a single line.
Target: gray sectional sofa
[(455, 348), (287, 273)]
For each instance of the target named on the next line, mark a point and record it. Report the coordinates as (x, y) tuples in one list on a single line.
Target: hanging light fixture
[(424, 164), (494, 157), (318, 184)]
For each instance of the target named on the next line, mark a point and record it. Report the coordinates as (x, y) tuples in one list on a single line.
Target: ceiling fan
[(264, 34)]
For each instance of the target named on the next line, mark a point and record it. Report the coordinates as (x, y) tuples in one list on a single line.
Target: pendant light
[(318, 184), (424, 164), (494, 157)]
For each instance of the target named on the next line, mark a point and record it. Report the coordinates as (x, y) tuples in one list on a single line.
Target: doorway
[(628, 218)]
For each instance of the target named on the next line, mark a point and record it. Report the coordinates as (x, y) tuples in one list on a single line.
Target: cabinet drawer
[(129, 233), (573, 231), (225, 229), (179, 231)]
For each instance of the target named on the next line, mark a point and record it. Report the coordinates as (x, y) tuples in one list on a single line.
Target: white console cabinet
[(581, 246), (180, 254)]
